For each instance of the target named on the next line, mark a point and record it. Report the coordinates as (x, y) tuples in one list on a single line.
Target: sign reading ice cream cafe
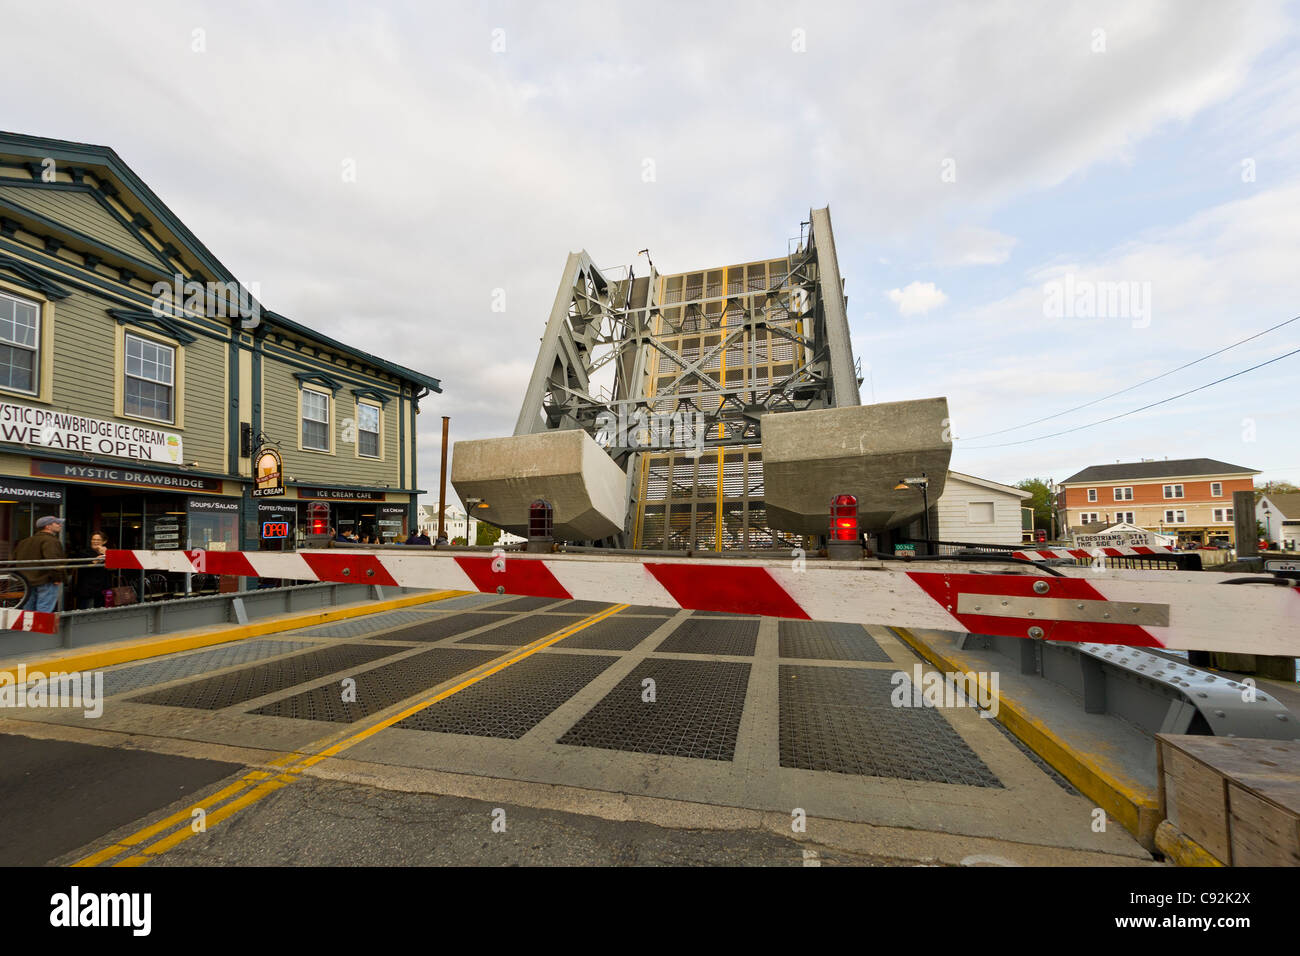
[(268, 473), (54, 428)]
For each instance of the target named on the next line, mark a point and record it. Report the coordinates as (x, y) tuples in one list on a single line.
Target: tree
[(486, 534), (1041, 500), (1274, 488)]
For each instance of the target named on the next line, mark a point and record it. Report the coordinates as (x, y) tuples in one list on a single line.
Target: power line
[(1025, 441), (1148, 381)]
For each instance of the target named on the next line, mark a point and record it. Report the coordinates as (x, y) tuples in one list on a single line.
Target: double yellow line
[(136, 849)]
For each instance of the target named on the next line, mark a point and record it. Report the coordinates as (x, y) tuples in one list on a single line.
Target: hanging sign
[(268, 474)]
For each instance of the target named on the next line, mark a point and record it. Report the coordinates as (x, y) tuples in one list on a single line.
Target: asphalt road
[(56, 796)]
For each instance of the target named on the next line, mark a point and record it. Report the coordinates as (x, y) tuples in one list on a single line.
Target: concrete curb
[(1135, 808), (121, 652)]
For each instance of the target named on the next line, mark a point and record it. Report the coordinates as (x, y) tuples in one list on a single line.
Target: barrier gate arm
[(1168, 609)]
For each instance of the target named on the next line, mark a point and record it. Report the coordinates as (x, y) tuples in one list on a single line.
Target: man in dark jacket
[(45, 581)]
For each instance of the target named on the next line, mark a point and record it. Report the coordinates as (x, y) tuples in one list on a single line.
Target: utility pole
[(442, 483)]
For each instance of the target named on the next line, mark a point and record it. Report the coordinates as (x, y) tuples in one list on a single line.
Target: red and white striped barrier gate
[(1173, 609), (44, 622), (1140, 550)]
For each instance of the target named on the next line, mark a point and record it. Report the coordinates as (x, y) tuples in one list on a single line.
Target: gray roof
[(1177, 468), (1288, 504)]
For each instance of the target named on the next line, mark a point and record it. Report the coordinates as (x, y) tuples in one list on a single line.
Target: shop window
[(150, 379), (20, 337), (315, 420), (368, 431)]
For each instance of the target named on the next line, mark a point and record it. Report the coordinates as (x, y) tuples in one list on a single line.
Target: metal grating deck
[(581, 607), (696, 711), (523, 631), (436, 628), (525, 604), (364, 625), (380, 687), (514, 701), (841, 720), (825, 641), (616, 633), (713, 636), (173, 668), (650, 610), (226, 690)]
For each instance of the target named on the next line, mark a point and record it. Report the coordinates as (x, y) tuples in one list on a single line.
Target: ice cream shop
[(139, 414)]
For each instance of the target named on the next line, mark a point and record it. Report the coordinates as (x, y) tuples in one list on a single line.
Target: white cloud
[(917, 298), (974, 246), (481, 170)]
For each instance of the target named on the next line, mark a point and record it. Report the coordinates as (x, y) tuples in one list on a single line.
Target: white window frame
[(1216, 489), (1125, 517), (1223, 515), (36, 352), (1088, 517), (302, 418), (1173, 491), (1176, 516), (1092, 495), (1124, 493), (378, 432), (127, 376)]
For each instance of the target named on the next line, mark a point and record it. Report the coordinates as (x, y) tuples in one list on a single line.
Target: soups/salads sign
[(53, 428)]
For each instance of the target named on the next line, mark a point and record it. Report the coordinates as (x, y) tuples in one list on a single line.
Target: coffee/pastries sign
[(268, 474)]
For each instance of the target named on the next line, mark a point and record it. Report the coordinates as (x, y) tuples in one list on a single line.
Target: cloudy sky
[(989, 167)]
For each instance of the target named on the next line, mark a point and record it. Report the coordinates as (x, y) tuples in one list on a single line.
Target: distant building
[(1280, 516), (1189, 498), (975, 510), (455, 525)]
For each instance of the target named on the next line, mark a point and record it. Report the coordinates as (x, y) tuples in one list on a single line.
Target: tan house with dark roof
[(1190, 498)]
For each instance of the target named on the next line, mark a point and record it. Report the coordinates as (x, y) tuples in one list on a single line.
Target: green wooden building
[(139, 379)]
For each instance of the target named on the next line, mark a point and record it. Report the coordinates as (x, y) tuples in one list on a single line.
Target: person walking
[(46, 582)]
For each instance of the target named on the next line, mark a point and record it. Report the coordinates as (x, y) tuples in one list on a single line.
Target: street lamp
[(924, 484), (1268, 525), (470, 504)]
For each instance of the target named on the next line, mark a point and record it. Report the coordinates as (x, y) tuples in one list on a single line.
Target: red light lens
[(844, 518)]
